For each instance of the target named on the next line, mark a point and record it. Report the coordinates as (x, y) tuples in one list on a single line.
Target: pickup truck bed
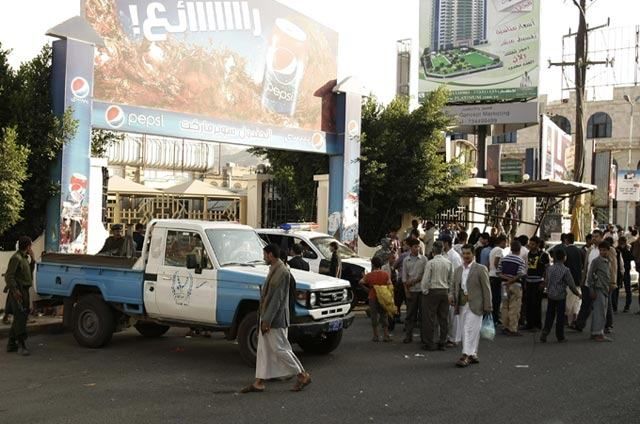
[(60, 274)]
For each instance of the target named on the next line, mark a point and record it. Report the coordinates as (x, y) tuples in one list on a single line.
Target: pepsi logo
[(114, 116), (353, 129), (80, 87), (317, 140)]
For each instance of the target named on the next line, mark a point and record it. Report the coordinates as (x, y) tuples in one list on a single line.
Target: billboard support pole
[(344, 170), (482, 151)]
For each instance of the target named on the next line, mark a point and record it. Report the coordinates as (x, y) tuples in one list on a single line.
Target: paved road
[(180, 380)]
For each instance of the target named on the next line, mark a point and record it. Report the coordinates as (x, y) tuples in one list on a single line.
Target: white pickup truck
[(197, 274)]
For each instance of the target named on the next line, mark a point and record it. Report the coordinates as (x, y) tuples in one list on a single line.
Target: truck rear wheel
[(321, 345), (248, 338), (93, 322), (151, 329)]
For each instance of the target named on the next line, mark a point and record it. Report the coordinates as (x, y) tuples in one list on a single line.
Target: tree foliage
[(13, 173), (402, 165), (27, 107), (295, 170), (101, 140)]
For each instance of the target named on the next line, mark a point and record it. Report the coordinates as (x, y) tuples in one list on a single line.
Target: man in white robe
[(275, 357), (472, 299)]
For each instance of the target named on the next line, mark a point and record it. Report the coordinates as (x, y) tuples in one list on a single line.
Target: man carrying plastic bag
[(472, 300)]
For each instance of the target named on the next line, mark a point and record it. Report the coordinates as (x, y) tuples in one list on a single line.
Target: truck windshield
[(322, 243), (236, 247)]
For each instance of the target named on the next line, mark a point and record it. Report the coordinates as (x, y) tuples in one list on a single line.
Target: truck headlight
[(312, 299), (301, 297), (345, 295)]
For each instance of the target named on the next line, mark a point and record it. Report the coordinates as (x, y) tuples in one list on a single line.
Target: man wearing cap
[(117, 244), (19, 278)]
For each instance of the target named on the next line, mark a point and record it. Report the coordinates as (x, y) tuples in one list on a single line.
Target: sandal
[(463, 362), (375, 339), (300, 385), (251, 389), (387, 339)]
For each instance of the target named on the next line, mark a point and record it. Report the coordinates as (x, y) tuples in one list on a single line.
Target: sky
[(368, 32)]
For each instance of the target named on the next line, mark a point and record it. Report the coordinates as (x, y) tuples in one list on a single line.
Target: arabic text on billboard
[(253, 61), (483, 50)]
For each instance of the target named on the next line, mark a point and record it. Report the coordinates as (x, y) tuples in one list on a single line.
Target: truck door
[(181, 293), (154, 261)]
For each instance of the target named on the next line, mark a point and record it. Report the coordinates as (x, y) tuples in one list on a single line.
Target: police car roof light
[(299, 226)]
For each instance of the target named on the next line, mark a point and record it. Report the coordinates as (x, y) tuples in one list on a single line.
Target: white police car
[(317, 253)]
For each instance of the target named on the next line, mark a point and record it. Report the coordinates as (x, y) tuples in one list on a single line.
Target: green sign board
[(511, 171)]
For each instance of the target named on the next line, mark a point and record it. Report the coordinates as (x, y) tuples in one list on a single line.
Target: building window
[(562, 122), (459, 136), (510, 137), (599, 126)]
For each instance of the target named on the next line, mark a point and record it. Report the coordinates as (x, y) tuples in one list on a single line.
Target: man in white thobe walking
[(472, 299), (275, 357)]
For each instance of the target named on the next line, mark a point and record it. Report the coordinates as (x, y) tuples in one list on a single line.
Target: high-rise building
[(458, 23)]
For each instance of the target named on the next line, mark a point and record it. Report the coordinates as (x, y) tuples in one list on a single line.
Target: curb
[(54, 327)]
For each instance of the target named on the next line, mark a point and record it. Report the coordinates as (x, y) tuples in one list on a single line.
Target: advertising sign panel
[(556, 151), (491, 114), (628, 187), (483, 50), (67, 215), (602, 179), (232, 62)]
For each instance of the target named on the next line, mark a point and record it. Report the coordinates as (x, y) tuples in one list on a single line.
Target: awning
[(197, 188), (553, 192), (542, 188), (121, 186)]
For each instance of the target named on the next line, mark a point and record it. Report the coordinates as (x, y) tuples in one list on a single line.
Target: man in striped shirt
[(511, 269)]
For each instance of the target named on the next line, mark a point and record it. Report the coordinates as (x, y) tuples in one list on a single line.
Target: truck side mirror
[(325, 267), (192, 261), (308, 254)]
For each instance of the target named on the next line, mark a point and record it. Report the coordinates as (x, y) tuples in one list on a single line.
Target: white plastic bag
[(488, 329)]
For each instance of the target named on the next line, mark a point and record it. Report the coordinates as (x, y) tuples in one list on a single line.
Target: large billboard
[(556, 151), (250, 67), (482, 50)]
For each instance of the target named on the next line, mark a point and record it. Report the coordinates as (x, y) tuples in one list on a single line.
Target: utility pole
[(580, 64)]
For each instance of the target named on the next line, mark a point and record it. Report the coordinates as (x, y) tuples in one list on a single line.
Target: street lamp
[(632, 104)]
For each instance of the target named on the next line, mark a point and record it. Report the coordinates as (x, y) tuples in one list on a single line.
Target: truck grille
[(331, 297)]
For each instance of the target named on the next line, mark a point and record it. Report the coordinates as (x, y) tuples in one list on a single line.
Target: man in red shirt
[(378, 315)]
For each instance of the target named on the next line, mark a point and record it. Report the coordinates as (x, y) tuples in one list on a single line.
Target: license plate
[(335, 325)]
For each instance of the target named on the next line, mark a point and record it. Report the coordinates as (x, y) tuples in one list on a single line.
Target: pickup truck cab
[(196, 274), (317, 254)]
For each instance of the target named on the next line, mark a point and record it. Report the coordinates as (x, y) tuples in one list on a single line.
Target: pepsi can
[(284, 67)]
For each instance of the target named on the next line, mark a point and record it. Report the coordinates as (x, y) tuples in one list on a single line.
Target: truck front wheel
[(93, 322), (321, 345), (151, 329), (248, 338)]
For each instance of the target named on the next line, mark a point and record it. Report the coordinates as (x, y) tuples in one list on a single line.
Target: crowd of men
[(450, 281)]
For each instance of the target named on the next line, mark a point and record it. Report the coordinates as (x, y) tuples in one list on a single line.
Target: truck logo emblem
[(335, 297), (181, 289)]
